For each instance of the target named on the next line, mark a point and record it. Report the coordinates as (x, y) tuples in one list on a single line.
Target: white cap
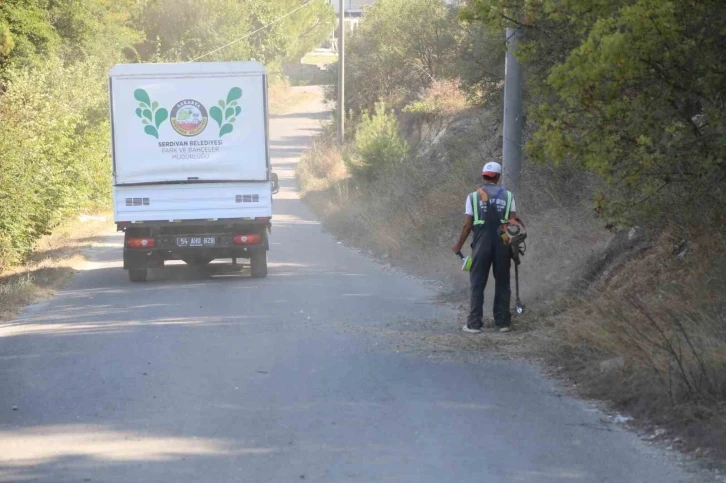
[(492, 169)]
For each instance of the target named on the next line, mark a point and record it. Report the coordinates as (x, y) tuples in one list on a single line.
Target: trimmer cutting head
[(465, 262)]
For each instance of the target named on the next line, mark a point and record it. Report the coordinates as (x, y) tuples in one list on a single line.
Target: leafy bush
[(378, 144), (54, 140)]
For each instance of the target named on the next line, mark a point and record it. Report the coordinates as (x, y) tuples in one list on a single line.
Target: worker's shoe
[(507, 328), (471, 330)]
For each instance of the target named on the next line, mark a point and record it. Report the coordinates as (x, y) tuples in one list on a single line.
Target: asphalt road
[(217, 378)]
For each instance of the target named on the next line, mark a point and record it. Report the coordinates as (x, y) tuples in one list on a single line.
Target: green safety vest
[(481, 194)]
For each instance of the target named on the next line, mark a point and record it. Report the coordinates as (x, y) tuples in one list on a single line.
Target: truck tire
[(138, 274), (258, 265)]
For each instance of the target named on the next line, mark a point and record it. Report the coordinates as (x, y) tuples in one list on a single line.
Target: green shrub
[(55, 161), (378, 144)]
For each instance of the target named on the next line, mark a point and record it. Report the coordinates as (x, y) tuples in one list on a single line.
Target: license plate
[(196, 241)]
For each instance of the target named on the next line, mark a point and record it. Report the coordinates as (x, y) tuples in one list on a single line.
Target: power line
[(253, 33)]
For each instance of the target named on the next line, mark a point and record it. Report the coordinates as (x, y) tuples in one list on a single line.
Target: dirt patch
[(283, 99), (438, 340), (52, 264)]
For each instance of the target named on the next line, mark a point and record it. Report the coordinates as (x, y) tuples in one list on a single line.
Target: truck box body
[(205, 122), (190, 148)]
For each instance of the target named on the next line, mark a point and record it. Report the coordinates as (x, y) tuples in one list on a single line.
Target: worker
[(486, 210)]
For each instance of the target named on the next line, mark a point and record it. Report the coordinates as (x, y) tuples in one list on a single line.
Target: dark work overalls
[(488, 249)]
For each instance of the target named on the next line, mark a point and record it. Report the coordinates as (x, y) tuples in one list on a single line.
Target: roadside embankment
[(632, 316)]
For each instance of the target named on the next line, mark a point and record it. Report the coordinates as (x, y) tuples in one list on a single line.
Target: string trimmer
[(514, 234)]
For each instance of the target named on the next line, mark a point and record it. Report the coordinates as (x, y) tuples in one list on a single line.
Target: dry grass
[(659, 316), (322, 168), (444, 99), (434, 184), (283, 99), (50, 266)]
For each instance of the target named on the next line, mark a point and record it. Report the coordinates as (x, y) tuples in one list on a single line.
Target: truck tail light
[(141, 243), (263, 218), (247, 239)]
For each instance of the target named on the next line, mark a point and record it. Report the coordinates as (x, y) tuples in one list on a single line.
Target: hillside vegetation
[(622, 189), (54, 59)]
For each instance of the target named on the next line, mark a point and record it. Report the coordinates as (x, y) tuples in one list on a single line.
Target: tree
[(632, 90), (175, 31), (399, 49), (293, 37), (481, 62), (27, 33), (97, 29)]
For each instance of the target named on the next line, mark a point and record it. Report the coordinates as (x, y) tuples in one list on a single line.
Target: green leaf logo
[(143, 97), (234, 94), (226, 112), (149, 112), (226, 129), (160, 116), (151, 131), (216, 114)]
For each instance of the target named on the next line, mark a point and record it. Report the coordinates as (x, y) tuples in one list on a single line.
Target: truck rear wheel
[(258, 265), (138, 274)]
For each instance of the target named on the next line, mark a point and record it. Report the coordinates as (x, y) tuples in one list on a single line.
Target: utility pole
[(513, 114), (341, 75)]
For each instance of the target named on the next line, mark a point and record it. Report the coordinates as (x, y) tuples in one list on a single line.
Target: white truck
[(191, 164)]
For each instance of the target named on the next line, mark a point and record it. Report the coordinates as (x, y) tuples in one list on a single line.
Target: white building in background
[(352, 4), (353, 12)]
